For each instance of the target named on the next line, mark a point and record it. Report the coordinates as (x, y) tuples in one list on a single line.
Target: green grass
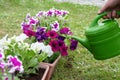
[(80, 64)]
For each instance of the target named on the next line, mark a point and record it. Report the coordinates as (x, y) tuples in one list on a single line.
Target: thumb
[(102, 10)]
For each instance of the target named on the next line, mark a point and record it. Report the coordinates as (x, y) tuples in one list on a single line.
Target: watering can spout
[(84, 42)]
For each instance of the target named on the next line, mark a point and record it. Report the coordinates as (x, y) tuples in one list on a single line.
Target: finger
[(109, 15), (105, 17), (101, 10), (104, 8), (114, 14)]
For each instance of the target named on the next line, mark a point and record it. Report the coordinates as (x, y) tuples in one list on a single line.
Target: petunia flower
[(47, 49), (52, 34), (66, 31), (37, 46), (14, 64), (2, 65), (25, 25), (40, 14), (63, 51), (73, 44), (61, 43), (28, 16), (58, 12), (29, 33), (50, 12), (61, 38), (55, 26), (54, 44), (3, 42), (1, 55), (64, 12), (41, 34), (33, 21), (21, 37)]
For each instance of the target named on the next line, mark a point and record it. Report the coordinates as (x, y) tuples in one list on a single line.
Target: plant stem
[(12, 76)]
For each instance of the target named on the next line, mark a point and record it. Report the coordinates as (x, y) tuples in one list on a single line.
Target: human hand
[(111, 6)]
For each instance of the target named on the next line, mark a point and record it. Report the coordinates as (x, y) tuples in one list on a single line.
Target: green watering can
[(102, 39)]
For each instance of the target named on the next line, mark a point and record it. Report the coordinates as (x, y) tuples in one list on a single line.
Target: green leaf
[(42, 57), (33, 62)]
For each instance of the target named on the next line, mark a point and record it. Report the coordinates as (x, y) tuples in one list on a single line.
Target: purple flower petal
[(63, 51), (58, 13), (1, 55), (55, 26), (55, 46), (2, 65), (29, 32), (41, 13), (52, 34), (33, 21), (61, 38), (61, 43), (14, 64), (73, 44), (66, 30), (41, 34)]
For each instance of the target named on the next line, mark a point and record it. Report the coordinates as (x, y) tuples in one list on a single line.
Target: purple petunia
[(25, 26), (66, 30), (14, 64), (41, 34), (64, 12), (61, 38), (40, 14), (2, 65), (58, 12), (33, 21), (1, 55), (73, 44), (63, 51), (58, 45), (54, 44), (55, 26), (61, 43), (29, 33), (50, 12), (28, 16), (52, 34)]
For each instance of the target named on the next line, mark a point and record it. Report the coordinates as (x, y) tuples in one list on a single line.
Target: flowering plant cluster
[(9, 64), (44, 37), (51, 28), (18, 56)]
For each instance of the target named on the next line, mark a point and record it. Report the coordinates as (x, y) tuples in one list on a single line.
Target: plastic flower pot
[(43, 71), (51, 67)]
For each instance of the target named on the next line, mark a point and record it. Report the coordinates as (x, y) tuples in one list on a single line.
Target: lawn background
[(80, 64)]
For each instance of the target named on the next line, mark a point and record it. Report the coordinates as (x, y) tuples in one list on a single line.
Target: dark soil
[(37, 76)]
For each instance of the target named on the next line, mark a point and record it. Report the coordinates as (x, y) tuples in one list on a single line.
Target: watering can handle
[(95, 21)]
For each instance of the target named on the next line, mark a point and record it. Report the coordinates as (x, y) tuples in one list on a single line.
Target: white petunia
[(37, 47), (48, 50), (3, 42), (21, 37)]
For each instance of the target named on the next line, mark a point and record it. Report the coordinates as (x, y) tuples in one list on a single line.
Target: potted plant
[(51, 28), (18, 58), (46, 37)]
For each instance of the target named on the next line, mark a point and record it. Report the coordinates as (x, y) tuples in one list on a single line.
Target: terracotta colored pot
[(46, 67), (42, 74), (51, 67)]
